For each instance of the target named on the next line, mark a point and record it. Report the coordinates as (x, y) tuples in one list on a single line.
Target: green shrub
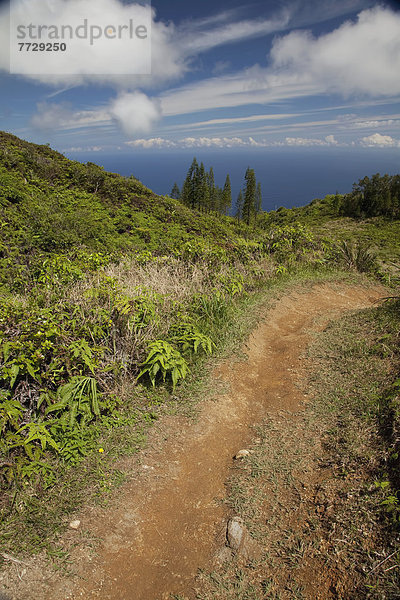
[(163, 359)]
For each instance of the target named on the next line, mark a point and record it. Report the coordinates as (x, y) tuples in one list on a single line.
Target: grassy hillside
[(106, 288), (51, 205), (381, 234), (112, 301)]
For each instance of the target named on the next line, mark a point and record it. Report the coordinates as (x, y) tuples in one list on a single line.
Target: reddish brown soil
[(165, 524)]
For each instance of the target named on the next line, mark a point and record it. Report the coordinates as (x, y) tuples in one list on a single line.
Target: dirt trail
[(168, 524)]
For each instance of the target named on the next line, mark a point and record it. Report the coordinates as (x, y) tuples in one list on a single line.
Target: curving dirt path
[(168, 523)]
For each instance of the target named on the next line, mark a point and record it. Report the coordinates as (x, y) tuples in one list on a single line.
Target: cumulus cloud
[(172, 47), (379, 140), (329, 140), (121, 62), (358, 57), (152, 143), (135, 113), (200, 142), (228, 142)]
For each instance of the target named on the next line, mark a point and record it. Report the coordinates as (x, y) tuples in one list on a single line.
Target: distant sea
[(289, 176)]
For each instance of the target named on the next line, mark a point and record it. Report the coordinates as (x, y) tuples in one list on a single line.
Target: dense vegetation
[(373, 197), (378, 196), (103, 282), (108, 290), (200, 192)]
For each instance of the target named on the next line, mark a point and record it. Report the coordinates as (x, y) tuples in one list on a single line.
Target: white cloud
[(358, 58), (84, 149), (172, 46), (51, 116), (221, 66), (237, 120), (135, 113), (115, 65), (377, 122), (252, 86), (215, 142), (152, 143), (200, 142), (381, 141), (331, 140), (361, 57), (228, 142), (194, 41), (300, 141)]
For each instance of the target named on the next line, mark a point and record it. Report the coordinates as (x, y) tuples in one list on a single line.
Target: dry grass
[(172, 277)]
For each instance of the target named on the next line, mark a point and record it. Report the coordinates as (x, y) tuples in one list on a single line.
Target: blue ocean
[(289, 177)]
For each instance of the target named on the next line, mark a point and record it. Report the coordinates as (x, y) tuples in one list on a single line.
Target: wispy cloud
[(238, 120), (74, 149), (134, 113), (358, 58), (377, 121), (359, 61), (50, 116), (231, 32)]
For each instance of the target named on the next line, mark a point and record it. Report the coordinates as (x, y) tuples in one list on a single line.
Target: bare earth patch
[(170, 520)]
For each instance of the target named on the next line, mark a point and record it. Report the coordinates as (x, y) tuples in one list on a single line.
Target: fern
[(36, 432), (163, 359), (79, 397)]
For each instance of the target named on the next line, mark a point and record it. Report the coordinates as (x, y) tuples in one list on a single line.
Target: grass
[(320, 490), (381, 236)]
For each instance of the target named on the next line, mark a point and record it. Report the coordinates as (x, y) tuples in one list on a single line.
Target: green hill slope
[(103, 284), (112, 300), (49, 204)]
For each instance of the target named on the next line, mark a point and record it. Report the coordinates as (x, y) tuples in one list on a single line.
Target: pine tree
[(249, 208), (239, 206), (258, 201), (175, 192), (189, 196), (218, 199), (213, 193), (202, 191), (226, 201)]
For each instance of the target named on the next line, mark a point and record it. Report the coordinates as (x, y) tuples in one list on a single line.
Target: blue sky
[(253, 75)]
